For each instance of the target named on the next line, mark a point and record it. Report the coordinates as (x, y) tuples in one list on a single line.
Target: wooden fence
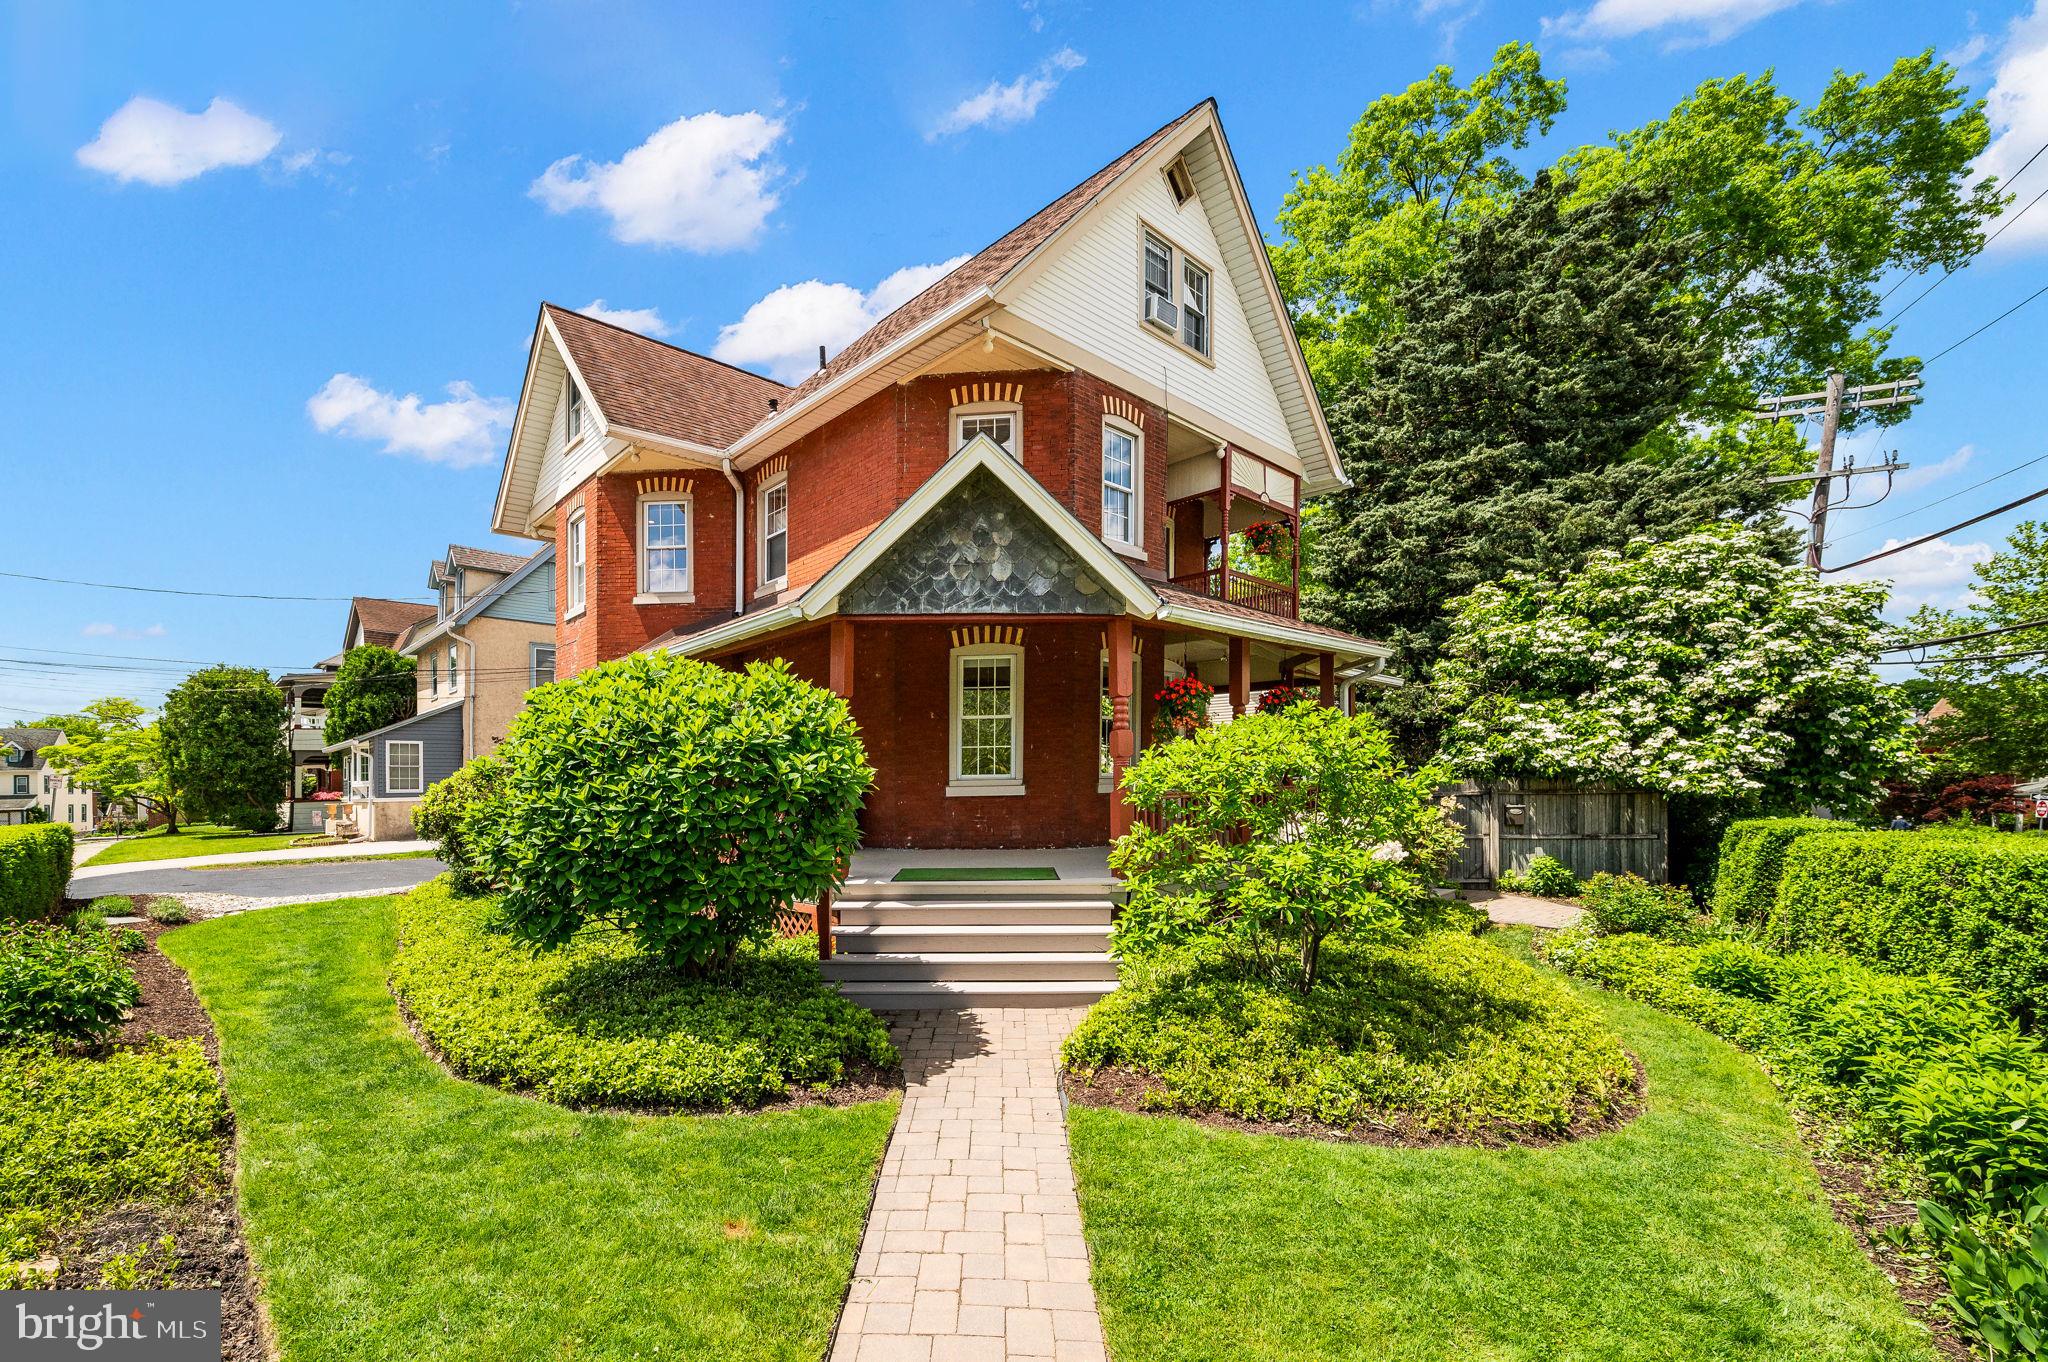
[(1590, 828)]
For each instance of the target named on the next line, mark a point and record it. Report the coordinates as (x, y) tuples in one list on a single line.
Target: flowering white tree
[(1702, 666)]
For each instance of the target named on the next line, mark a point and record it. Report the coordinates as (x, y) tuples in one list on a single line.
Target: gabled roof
[(383, 620), (30, 739), (484, 560), (540, 560), (661, 389)]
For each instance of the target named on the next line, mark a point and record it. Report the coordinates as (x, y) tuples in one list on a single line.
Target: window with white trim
[(402, 765), (454, 677), (21, 785), (773, 515), (1004, 426), (1108, 716), (665, 546), (1158, 269), (1122, 453), (1177, 292), (433, 674), (987, 739), (572, 425), (362, 765), (572, 556), (1194, 307), (540, 665)]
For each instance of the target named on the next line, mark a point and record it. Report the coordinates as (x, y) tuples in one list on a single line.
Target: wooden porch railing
[(1275, 598)]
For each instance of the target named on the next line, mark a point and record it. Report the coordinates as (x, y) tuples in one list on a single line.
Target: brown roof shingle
[(384, 620), (662, 389), (485, 560)]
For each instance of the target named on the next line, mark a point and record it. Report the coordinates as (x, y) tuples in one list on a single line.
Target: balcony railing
[(1275, 598)]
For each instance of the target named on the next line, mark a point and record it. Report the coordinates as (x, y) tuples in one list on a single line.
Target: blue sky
[(271, 272)]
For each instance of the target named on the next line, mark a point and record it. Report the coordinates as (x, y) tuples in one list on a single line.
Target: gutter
[(739, 539)]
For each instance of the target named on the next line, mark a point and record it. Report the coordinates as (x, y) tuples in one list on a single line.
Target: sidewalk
[(348, 851)]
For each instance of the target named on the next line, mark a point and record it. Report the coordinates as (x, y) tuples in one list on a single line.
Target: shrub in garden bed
[(168, 909), (60, 984), (1629, 903), (1751, 861), (1973, 908), (447, 814), (1446, 1035), (1545, 876), (35, 865), (604, 1022)]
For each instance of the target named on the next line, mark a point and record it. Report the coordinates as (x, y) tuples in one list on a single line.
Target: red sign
[(2041, 806)]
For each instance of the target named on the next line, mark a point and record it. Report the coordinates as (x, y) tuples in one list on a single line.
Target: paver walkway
[(974, 1251)]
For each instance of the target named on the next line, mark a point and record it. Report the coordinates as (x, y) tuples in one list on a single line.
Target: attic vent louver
[(1180, 181)]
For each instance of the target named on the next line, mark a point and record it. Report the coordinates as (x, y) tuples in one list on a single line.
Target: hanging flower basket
[(1277, 698), (1265, 537), (1182, 705)]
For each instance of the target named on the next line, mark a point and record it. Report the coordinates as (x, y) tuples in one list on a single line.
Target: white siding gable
[(1089, 292), (561, 466)]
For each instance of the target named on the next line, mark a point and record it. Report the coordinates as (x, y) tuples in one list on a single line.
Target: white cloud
[(151, 141), (102, 629), (783, 331), (1967, 51), (647, 321), (1935, 573), (1698, 21), (2018, 108), (1005, 106), (461, 432), (704, 183)]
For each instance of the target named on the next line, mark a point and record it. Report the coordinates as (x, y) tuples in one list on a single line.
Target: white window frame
[(969, 411), (1104, 719), (533, 652), (419, 758), (454, 671), (575, 556), (1178, 263), (957, 784), (1133, 547), (761, 535), (573, 413), (433, 673), (645, 595)]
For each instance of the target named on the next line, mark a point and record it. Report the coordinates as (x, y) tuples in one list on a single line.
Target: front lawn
[(1699, 1231), (193, 839), (396, 1211)]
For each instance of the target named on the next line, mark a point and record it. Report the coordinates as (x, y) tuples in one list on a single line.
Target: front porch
[(881, 865)]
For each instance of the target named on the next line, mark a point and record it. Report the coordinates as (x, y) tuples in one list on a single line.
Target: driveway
[(278, 881)]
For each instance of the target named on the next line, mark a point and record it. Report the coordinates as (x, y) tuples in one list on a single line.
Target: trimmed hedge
[(35, 865), (603, 1022), (1751, 861), (1974, 909)]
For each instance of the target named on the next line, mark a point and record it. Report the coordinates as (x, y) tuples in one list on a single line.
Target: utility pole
[(1828, 404)]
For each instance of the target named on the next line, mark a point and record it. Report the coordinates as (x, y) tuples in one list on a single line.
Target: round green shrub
[(447, 814), (1629, 903), (113, 905), (61, 984), (35, 865), (603, 1023), (1548, 877), (168, 910), (674, 800)]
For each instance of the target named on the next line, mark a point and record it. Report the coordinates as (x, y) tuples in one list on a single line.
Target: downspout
[(739, 540)]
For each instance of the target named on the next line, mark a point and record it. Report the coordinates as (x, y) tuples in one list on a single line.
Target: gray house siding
[(531, 600), (439, 734)]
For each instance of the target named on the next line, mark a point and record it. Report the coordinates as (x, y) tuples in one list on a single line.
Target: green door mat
[(979, 872)]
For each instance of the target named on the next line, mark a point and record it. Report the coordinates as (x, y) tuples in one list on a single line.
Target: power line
[(1987, 240), (216, 595), (1987, 326), (1928, 506), (1947, 275), (1916, 543), (1970, 657), (1962, 638)]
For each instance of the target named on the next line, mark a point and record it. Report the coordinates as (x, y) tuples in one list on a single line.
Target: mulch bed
[(1124, 1089), (211, 1253)]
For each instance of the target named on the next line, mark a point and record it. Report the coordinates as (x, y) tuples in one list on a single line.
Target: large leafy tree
[(1503, 427), (1995, 715), (223, 740), (1418, 165), (374, 687), (1704, 666), (109, 750)]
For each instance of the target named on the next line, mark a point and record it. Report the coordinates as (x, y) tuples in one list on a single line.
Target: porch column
[(839, 675), (1120, 743), (1329, 696), (1240, 676)]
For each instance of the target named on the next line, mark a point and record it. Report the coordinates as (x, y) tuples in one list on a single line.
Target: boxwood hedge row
[(1751, 861), (35, 865)]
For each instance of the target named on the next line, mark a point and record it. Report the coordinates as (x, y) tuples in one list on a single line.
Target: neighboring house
[(315, 781), (996, 522), (488, 640), (372, 619), (28, 782)]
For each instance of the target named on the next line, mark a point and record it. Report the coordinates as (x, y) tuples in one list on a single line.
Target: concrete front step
[(920, 938), (920, 994), (953, 891), (854, 970), (976, 912)]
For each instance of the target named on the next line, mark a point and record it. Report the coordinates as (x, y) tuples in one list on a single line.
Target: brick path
[(974, 1252)]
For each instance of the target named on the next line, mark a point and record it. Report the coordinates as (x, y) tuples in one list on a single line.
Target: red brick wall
[(611, 624)]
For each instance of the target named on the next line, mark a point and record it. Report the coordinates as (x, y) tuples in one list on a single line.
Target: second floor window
[(572, 555), (999, 426), (1194, 307), (543, 670), (1177, 294), (1119, 485), (453, 676), (774, 533), (433, 676), (664, 547), (21, 785), (573, 423)]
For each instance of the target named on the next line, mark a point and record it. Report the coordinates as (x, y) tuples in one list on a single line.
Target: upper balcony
[(1233, 525)]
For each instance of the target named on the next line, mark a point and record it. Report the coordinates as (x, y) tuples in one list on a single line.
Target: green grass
[(394, 1211), (1697, 1232), (925, 874), (193, 839)]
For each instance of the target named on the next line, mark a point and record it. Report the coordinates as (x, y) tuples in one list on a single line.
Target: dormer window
[(574, 426), (1176, 294)]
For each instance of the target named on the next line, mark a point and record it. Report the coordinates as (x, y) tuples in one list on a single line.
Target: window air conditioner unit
[(1161, 312)]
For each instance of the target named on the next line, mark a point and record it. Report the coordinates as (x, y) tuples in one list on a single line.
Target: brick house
[(996, 522)]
